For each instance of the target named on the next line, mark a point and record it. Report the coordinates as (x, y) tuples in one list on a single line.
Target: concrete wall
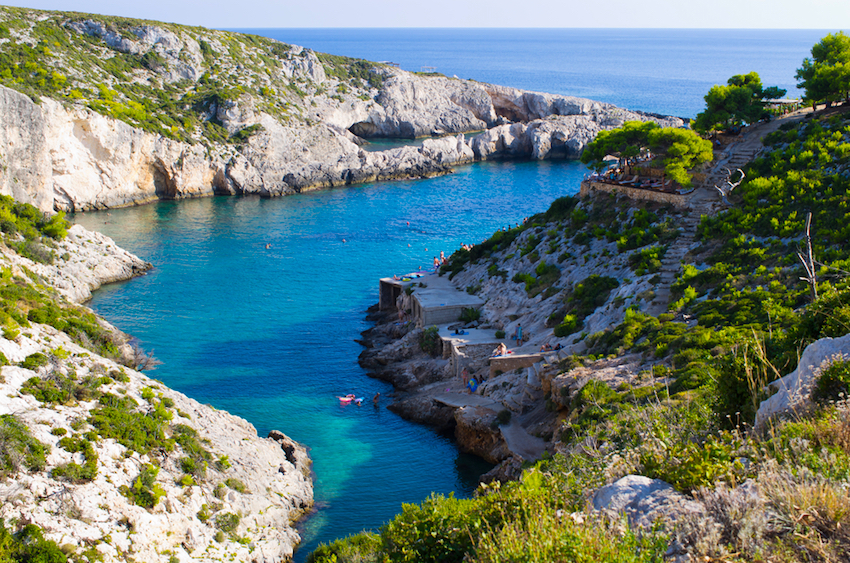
[(675, 200), (510, 363), (436, 315), (470, 355)]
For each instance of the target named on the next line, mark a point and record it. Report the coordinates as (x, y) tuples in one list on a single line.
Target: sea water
[(664, 71), (269, 333)]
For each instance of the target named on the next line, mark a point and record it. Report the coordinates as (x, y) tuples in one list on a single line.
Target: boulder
[(792, 393), (644, 501)]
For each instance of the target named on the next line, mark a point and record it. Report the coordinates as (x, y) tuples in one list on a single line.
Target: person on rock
[(518, 335)]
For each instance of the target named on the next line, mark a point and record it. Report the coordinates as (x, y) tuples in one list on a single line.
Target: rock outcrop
[(645, 501), (299, 125), (237, 499), (791, 394)]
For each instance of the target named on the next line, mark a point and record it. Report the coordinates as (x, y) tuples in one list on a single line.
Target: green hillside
[(166, 78)]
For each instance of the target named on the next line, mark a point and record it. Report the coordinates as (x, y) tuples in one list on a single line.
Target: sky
[(230, 14)]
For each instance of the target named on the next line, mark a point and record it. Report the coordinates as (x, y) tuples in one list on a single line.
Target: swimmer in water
[(268, 245)]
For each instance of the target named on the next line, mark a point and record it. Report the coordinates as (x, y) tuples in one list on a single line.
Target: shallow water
[(268, 334)]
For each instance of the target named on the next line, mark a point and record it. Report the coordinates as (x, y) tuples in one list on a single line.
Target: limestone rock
[(475, 435), (411, 106), (270, 478), (793, 391), (644, 500), (86, 260), (25, 163)]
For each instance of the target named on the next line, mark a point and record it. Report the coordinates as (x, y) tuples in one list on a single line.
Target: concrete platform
[(440, 302)]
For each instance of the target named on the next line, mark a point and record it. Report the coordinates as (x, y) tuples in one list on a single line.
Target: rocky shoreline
[(59, 153), (223, 493)]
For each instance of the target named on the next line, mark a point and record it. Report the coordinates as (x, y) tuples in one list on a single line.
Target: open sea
[(268, 334)]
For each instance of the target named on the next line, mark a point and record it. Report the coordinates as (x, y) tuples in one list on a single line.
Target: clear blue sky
[(781, 14)]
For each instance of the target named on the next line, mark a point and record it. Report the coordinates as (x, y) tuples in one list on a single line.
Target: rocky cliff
[(129, 112), (110, 464)]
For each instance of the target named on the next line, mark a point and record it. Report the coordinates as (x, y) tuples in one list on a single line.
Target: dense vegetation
[(826, 75), (178, 95), (677, 151), (740, 102)]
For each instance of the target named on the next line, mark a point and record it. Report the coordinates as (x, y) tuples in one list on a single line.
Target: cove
[(268, 334)]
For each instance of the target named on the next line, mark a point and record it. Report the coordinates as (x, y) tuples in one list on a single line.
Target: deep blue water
[(657, 70), (268, 334)]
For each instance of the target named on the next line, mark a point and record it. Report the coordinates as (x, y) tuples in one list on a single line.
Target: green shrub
[(500, 334), (28, 545), (236, 485), (227, 522), (117, 418), (35, 361), (145, 491), (470, 314), (690, 465), (204, 514), (73, 471), (361, 547), (503, 417), (18, 448), (429, 341), (833, 383)]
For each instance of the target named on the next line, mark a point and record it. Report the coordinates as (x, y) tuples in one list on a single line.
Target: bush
[(18, 448), (227, 522), (28, 545), (236, 485), (429, 341), (833, 383), (117, 418), (75, 472), (145, 491), (500, 334), (470, 314), (35, 361)]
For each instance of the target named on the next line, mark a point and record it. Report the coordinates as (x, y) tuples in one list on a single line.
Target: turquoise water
[(268, 334)]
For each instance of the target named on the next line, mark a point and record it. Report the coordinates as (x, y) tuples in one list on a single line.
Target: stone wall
[(675, 200), (505, 364)]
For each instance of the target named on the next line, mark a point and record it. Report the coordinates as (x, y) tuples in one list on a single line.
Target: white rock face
[(793, 391), (66, 157), (276, 474), (85, 261), (275, 470)]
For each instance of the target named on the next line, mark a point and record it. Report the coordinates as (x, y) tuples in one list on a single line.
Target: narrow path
[(706, 201), (521, 442), (463, 400)]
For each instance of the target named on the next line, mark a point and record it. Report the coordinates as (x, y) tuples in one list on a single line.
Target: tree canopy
[(826, 75), (740, 101), (679, 150), (625, 143)]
